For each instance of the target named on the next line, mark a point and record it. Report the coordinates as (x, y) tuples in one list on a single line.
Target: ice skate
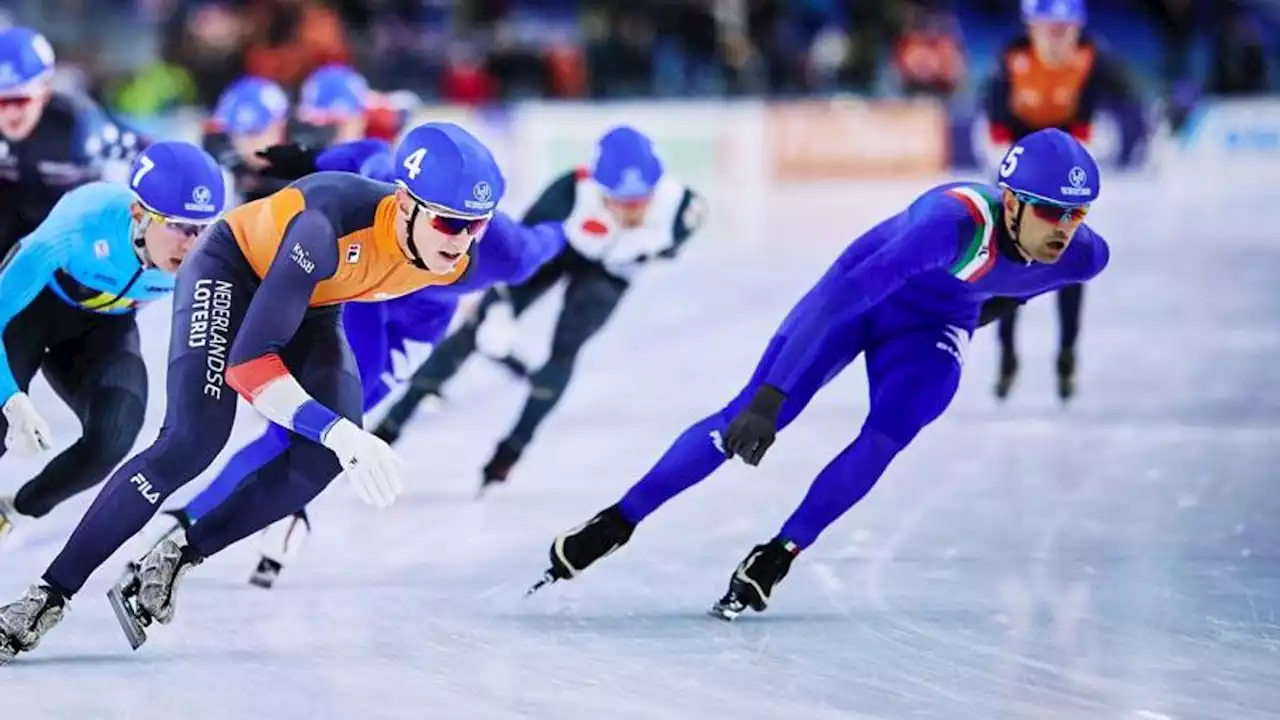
[(24, 622), (8, 516), (389, 429), (518, 368), (752, 582), (575, 550), (499, 466), (1066, 374), (148, 589), (280, 544)]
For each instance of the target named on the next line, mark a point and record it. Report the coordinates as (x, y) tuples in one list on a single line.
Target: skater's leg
[(697, 452), (1008, 354), (102, 377), (213, 291), (448, 356), (589, 301), (1070, 302), (913, 379), (325, 367), (268, 446)]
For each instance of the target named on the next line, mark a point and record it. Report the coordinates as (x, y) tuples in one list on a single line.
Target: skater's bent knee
[(181, 454)]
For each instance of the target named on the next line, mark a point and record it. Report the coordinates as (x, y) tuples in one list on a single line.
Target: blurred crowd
[(143, 56)]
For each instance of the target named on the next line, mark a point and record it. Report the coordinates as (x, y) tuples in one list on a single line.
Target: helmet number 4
[(1011, 161), (145, 165), (413, 163)]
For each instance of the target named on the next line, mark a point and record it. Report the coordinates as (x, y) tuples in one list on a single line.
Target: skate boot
[(1066, 374), (518, 368), (1008, 373), (500, 465), (575, 551), (281, 543), (148, 590), (8, 516), (24, 622), (390, 428), (752, 582)]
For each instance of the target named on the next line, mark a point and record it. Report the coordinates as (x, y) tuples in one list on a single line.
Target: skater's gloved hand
[(289, 161), (753, 431), (28, 432), (370, 464)]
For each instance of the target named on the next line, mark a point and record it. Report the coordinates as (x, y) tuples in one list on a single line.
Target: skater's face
[(247, 145), (167, 241), (1045, 229), (440, 237), (20, 112), (1053, 41), (628, 212)]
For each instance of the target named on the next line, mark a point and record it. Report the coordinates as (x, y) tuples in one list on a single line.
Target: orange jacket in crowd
[(317, 40)]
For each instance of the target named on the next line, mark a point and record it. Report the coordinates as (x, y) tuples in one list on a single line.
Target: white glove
[(28, 432), (369, 463), (497, 330)]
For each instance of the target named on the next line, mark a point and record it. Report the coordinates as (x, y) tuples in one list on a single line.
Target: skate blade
[(724, 612), (727, 609), (547, 579), (133, 629), (266, 582)]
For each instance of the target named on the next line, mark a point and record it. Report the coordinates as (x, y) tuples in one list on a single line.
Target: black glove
[(290, 161), (752, 432), (996, 308)]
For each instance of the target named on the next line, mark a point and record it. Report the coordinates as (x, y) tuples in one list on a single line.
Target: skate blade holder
[(133, 620), (726, 612)]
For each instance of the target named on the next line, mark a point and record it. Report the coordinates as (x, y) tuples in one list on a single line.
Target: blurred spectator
[(621, 60), (289, 39), (929, 56), (207, 40), (1239, 58), (1177, 23), (465, 79)]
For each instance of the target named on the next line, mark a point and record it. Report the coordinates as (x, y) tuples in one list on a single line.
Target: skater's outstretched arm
[(308, 254), (689, 217), (510, 253), (928, 238)]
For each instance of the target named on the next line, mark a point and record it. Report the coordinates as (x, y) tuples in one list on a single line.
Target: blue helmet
[(626, 165), (442, 165), (1051, 166), (250, 105), (1068, 11), (180, 181), (333, 93), (26, 58)]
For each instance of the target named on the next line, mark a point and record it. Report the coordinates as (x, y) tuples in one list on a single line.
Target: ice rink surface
[(1116, 558)]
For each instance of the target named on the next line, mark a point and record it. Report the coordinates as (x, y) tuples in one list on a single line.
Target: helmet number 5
[(413, 163), (1011, 161), (145, 165)]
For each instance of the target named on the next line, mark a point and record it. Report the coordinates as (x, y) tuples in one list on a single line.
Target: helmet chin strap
[(415, 257), (1017, 227), (140, 242)]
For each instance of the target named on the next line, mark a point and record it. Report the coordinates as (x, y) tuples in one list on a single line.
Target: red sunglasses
[(16, 102), (455, 225), (1056, 214)]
